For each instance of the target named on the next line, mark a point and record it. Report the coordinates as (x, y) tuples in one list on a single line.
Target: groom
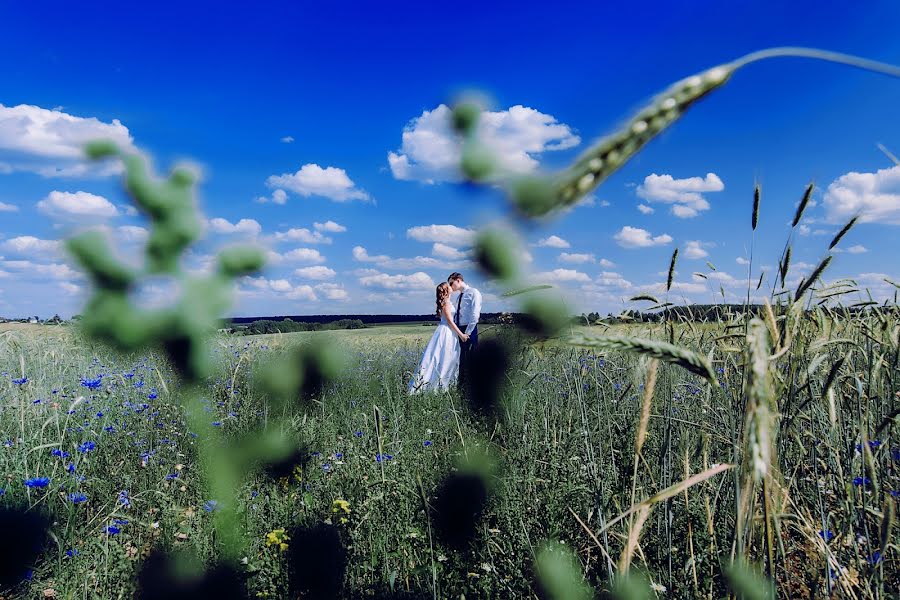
[(468, 311)]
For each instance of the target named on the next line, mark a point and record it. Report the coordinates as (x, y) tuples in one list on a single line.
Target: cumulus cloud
[(132, 233), (417, 280), (430, 150), (307, 255), (554, 241), (69, 289), (279, 196), (856, 249), (685, 195), (302, 235), (449, 252), (30, 245), (647, 210), (248, 227), (318, 273), (4, 207), (288, 139), (384, 261), (40, 270), (875, 197), (445, 234), (694, 249), (634, 237), (76, 206), (51, 142), (607, 264), (330, 227), (312, 180), (260, 286), (742, 261), (333, 291), (577, 259), (562, 276)]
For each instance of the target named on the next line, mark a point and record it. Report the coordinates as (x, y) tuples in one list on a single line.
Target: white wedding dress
[(439, 366)]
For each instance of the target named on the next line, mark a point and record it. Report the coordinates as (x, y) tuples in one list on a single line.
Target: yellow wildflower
[(342, 508), (278, 537)]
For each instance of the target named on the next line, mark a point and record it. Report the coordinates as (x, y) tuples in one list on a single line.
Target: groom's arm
[(476, 312)]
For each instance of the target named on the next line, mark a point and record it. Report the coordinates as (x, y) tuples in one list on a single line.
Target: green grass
[(561, 442)]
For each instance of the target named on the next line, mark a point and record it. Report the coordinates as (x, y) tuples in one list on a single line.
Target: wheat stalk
[(843, 232), (670, 353)]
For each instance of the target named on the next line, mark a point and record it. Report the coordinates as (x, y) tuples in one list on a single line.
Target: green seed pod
[(238, 261), (560, 574), (545, 316), (101, 149), (495, 254), (92, 252), (465, 117), (477, 162), (533, 196)]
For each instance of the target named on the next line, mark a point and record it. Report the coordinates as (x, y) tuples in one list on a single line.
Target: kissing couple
[(446, 357)]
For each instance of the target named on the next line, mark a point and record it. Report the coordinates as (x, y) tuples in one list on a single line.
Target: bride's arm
[(456, 330)]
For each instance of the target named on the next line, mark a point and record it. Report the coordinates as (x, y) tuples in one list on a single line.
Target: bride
[(439, 366)]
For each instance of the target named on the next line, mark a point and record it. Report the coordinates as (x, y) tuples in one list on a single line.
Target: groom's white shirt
[(469, 308)]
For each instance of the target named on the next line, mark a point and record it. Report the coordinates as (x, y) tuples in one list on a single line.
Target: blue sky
[(331, 114)]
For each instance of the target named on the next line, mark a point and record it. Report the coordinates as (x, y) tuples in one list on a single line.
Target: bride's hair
[(440, 296)]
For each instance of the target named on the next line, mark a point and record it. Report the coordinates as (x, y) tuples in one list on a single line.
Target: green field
[(562, 465)]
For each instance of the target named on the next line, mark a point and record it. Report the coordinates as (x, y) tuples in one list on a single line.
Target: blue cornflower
[(109, 429), (113, 530), (217, 423), (338, 455), (152, 395), (59, 453), (254, 494), (72, 552), (77, 498), (54, 391), (7, 444), (38, 401), (895, 494), (99, 414), (358, 433), (120, 521), (171, 476), (92, 384), (210, 505), (875, 558), (426, 443), (21, 381), (826, 534), (383, 457), (873, 444), (37, 482), (70, 467), (2, 492), (139, 384), (326, 467), (861, 481), (86, 447), (124, 500)]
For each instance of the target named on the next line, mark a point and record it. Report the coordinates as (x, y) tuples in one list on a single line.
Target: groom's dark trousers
[(467, 350)]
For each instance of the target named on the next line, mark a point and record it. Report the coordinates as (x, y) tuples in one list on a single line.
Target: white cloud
[(76, 205), (418, 280), (330, 227), (430, 150), (307, 255), (318, 273), (647, 210), (261, 286), (313, 180), (302, 235), (685, 195), (244, 227), (634, 237), (288, 139), (577, 259), (804, 229), (333, 291), (279, 196), (554, 241), (132, 233), (694, 249), (857, 249), (742, 261), (4, 207), (360, 254), (562, 276), (874, 196), (51, 142), (613, 279), (51, 270), (27, 244), (607, 264), (449, 252), (445, 234), (69, 289)]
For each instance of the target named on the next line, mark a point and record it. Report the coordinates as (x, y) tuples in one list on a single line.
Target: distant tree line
[(290, 326)]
